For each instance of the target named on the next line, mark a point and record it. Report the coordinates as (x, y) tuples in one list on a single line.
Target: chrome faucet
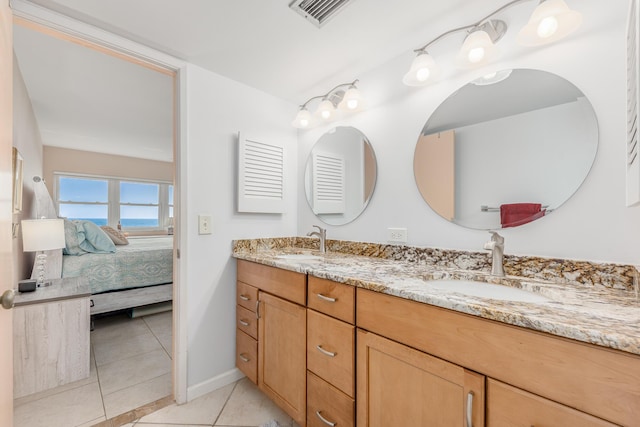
[(496, 246), (322, 235)]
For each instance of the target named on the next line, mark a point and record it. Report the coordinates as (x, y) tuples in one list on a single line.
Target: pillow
[(95, 240), (83, 237), (116, 236), (72, 242)]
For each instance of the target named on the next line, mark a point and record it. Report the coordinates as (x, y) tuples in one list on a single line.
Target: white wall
[(217, 108), (593, 225), (26, 138)]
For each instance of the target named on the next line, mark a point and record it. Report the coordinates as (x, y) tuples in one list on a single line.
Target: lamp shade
[(42, 234), (423, 70), (326, 110), (303, 119), (552, 20), (477, 50), (351, 99)]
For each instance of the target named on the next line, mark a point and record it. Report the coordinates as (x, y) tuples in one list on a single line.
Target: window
[(136, 205), (82, 198)]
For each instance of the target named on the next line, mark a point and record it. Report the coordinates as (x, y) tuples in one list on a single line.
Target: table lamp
[(40, 235)]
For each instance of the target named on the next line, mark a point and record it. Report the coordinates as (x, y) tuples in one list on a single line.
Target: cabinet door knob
[(325, 352), (324, 420), (7, 298), (326, 298)]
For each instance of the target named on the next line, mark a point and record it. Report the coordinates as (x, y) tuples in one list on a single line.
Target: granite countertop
[(598, 315)]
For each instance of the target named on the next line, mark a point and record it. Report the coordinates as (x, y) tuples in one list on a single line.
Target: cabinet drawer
[(331, 350), (246, 321), (511, 407), (286, 284), (246, 296), (332, 298), (247, 355), (328, 403)]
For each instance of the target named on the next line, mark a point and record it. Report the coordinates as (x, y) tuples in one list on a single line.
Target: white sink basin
[(486, 290), (300, 257)]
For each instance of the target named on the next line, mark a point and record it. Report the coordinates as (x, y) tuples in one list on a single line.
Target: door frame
[(61, 26)]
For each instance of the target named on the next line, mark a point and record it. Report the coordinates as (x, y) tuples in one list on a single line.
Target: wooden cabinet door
[(282, 367), (401, 386)]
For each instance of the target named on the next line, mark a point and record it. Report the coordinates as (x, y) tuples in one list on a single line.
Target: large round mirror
[(340, 175), (506, 149)]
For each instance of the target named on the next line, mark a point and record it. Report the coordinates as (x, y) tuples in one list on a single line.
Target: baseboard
[(214, 383)]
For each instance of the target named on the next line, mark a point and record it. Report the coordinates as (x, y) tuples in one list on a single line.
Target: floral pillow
[(116, 236)]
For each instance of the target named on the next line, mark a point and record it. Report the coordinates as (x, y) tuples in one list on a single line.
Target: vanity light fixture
[(551, 20), (345, 97)]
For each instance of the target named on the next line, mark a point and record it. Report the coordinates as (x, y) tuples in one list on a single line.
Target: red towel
[(514, 214)]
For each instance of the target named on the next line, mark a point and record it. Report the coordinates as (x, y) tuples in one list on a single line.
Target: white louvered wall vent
[(633, 160), (328, 183), (261, 169), (318, 12)]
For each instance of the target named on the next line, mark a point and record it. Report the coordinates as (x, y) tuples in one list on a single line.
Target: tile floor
[(240, 404), (130, 367)]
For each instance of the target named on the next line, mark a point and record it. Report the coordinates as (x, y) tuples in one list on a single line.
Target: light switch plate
[(204, 224)]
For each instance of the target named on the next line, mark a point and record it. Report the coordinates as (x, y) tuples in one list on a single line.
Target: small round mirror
[(506, 149), (340, 175)]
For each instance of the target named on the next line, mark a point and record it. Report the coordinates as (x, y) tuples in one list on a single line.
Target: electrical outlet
[(397, 235), (204, 224)]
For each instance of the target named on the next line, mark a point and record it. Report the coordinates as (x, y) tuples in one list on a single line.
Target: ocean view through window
[(135, 205)]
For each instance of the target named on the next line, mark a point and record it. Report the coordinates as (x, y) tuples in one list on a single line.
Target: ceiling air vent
[(318, 12)]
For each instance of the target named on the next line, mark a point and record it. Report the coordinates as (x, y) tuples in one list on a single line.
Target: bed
[(137, 274)]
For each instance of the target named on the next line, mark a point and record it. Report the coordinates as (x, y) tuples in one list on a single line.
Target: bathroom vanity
[(349, 340)]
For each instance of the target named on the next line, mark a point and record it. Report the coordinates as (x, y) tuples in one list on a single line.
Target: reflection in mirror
[(340, 175), (506, 153)]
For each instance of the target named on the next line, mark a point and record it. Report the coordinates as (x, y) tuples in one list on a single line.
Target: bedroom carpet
[(130, 367)]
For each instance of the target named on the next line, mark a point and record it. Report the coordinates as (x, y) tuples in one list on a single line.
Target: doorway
[(155, 324)]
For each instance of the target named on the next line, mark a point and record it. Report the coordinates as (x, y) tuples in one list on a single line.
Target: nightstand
[(51, 336)]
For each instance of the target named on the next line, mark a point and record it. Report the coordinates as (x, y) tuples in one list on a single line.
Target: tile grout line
[(136, 384), (104, 408), (132, 356), (158, 339), (118, 361), (225, 404)]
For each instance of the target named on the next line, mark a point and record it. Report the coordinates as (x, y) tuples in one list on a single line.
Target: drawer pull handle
[(258, 309), (326, 298), (324, 420), (243, 323), (244, 297), (244, 358), (470, 409), (325, 352)]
